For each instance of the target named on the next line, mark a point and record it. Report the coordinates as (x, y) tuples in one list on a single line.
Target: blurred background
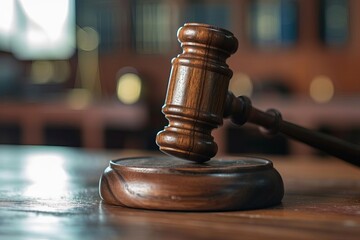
[(93, 73)]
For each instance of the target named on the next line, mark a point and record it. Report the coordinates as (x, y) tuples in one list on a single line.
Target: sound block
[(167, 183)]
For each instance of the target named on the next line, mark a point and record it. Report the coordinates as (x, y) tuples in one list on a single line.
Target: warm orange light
[(321, 89), (241, 84), (79, 98)]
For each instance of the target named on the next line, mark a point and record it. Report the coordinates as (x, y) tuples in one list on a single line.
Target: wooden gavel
[(198, 99), (196, 103)]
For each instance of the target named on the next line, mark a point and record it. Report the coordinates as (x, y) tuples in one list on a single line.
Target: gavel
[(198, 99)]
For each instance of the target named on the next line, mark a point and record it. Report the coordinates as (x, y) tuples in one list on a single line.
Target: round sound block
[(166, 183)]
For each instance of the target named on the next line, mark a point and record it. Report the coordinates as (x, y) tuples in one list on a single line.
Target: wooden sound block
[(167, 183)]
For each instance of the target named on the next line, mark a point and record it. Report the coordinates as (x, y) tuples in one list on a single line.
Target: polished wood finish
[(241, 111), (197, 100), (196, 92), (194, 106), (52, 193), (166, 183), (313, 116)]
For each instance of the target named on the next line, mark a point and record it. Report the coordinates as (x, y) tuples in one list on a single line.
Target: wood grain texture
[(165, 183), (197, 100), (240, 110), (196, 93), (52, 193)]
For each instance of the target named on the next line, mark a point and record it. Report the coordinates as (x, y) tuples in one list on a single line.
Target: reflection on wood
[(321, 202)]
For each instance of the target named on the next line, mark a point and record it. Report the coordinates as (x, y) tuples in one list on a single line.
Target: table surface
[(52, 193)]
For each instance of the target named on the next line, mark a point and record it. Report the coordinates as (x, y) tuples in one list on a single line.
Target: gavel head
[(196, 93)]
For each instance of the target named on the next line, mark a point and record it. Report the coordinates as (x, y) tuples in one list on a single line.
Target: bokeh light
[(87, 39), (321, 89), (129, 88), (241, 84), (42, 72), (79, 98)]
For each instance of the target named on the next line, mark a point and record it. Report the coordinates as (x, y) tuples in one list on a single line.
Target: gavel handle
[(241, 111)]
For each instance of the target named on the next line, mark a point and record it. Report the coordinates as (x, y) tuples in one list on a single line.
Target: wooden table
[(52, 193)]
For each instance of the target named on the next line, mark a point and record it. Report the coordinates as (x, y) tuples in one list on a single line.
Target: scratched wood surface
[(52, 193)]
